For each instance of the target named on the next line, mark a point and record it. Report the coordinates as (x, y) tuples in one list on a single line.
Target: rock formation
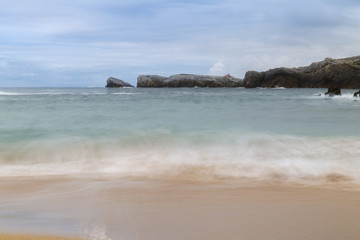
[(340, 73), (151, 81), (188, 80), (117, 83), (333, 91)]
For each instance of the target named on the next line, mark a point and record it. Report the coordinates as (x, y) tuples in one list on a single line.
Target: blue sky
[(82, 42)]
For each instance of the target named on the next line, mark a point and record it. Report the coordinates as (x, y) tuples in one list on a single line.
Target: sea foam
[(280, 158)]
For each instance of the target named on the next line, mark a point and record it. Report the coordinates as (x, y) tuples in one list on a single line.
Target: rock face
[(117, 83), (330, 73), (151, 81), (188, 80)]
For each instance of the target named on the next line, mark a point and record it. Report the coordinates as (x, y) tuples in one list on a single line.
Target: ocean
[(135, 137), (237, 133)]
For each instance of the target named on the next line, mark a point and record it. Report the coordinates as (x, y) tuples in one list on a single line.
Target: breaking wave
[(265, 157), (9, 93)]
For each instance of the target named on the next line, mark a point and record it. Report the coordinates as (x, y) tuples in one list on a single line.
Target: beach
[(141, 209), (159, 164), (179, 120)]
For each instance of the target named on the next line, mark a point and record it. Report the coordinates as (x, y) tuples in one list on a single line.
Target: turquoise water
[(165, 133)]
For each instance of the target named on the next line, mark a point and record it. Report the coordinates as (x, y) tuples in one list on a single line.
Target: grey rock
[(117, 83), (188, 80), (151, 81), (253, 79), (330, 73), (333, 91)]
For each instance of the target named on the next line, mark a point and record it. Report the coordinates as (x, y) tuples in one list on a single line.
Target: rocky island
[(117, 83), (330, 73), (188, 80)]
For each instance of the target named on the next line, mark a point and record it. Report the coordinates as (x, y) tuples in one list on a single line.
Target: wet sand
[(114, 208)]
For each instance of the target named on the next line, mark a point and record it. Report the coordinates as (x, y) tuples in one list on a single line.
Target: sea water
[(190, 163), (288, 135)]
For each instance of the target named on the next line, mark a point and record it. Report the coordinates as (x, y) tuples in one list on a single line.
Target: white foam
[(30, 93), (96, 233), (10, 93), (346, 97), (301, 159), (124, 93), (53, 93)]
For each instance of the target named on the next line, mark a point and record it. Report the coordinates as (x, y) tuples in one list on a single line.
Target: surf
[(306, 160)]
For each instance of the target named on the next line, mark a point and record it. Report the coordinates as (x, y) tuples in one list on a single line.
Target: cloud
[(77, 42), (217, 69)]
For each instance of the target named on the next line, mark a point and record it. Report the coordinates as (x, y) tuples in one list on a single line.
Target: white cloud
[(107, 36), (218, 69)]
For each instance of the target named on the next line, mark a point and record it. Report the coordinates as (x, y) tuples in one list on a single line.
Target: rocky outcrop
[(340, 73), (188, 80), (333, 91), (117, 83), (151, 81)]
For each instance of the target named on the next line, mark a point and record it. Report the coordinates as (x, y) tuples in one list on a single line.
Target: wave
[(346, 95), (124, 93), (10, 93), (279, 158), (2, 93)]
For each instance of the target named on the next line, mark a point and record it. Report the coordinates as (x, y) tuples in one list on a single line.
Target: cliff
[(340, 73), (188, 80)]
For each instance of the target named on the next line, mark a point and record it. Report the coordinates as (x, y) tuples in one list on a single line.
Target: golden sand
[(162, 210)]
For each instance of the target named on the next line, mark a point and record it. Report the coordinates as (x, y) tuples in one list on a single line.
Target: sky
[(80, 43)]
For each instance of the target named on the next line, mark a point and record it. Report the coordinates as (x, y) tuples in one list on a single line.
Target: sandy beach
[(110, 208), (202, 164)]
